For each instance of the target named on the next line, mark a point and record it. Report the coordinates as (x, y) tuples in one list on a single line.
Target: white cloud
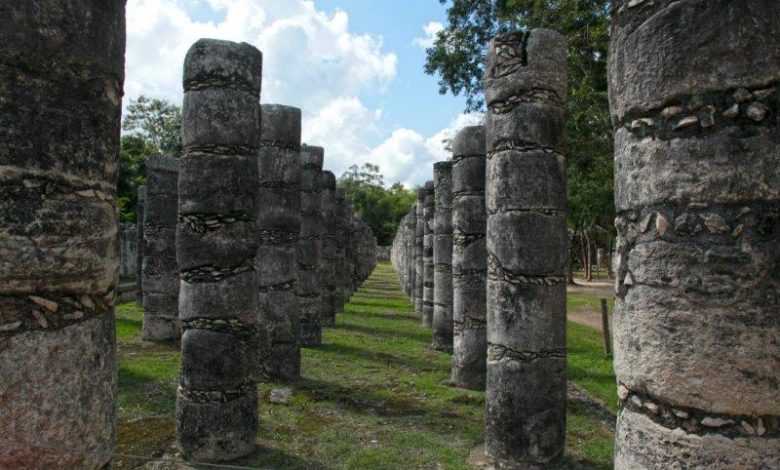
[(310, 60), (408, 157), (431, 30)]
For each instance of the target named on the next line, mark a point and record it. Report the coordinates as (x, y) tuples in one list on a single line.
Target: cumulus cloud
[(431, 30), (310, 60), (408, 157)]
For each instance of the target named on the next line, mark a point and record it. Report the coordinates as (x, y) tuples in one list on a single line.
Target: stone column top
[(469, 141), (160, 162), (526, 63), (312, 156), (214, 63), (328, 180), (280, 125)]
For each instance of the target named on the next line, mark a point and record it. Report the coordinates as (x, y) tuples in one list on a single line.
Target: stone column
[(342, 243), (409, 250), (310, 246), (419, 265), (469, 259), (428, 211), (61, 77), (697, 193), (139, 232), (278, 216), (216, 402), (525, 195), (442, 257), (160, 270), (328, 270)]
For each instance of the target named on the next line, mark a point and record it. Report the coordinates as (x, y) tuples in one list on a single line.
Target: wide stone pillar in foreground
[(160, 271), (469, 259), (278, 218), (310, 247), (216, 402), (527, 246), (697, 193), (442, 257), (61, 74)]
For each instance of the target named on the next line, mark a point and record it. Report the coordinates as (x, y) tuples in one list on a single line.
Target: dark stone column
[(278, 215), (139, 232), (419, 265), (160, 270), (310, 246), (697, 194), (342, 242), (525, 89), (216, 403), (329, 250), (469, 259), (61, 74), (428, 211), (442, 257)]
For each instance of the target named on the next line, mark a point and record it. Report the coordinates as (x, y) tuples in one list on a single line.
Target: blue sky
[(354, 67)]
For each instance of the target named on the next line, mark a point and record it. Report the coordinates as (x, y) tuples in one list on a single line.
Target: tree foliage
[(381, 208), (458, 55), (152, 127)]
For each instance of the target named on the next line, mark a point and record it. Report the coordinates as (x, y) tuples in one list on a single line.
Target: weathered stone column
[(61, 74), (339, 221), (442, 257), (310, 246), (697, 193), (469, 259), (419, 265), (139, 232), (160, 270), (328, 270), (428, 211), (409, 252), (525, 195), (278, 216), (216, 403)]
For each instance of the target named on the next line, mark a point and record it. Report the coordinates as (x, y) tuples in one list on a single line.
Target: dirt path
[(598, 289)]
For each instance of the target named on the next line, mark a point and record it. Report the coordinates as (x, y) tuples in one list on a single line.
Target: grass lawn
[(371, 397)]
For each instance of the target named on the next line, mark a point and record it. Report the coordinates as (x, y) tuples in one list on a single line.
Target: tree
[(133, 152), (458, 55), (381, 208), (157, 121), (153, 127)]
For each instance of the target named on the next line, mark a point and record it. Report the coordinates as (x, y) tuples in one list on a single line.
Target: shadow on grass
[(269, 457), (366, 399), (390, 360), (423, 338)]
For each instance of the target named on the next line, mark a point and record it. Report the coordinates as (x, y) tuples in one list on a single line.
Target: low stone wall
[(383, 253)]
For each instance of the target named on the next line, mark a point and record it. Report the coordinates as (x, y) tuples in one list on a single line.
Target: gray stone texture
[(697, 194), (128, 251), (342, 242), (61, 78), (310, 247), (419, 264), (442, 257), (469, 259), (329, 249), (216, 244), (278, 219), (525, 89), (139, 233), (160, 270), (429, 208)]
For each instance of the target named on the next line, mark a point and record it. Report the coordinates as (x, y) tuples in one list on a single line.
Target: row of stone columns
[(494, 250)]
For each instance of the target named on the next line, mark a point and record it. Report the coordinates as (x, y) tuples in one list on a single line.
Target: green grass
[(372, 397)]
